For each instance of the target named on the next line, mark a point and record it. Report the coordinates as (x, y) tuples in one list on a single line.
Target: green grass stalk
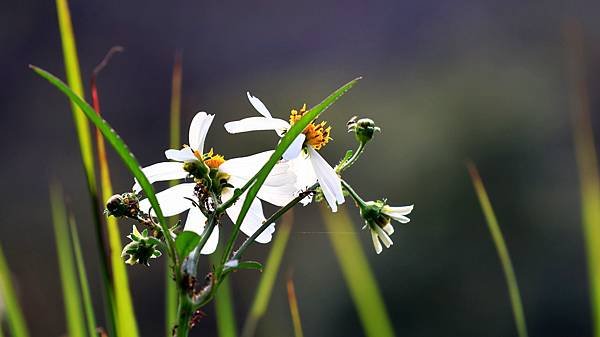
[(14, 315)]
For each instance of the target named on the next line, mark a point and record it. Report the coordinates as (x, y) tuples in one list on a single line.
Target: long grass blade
[(83, 280), (587, 162), (265, 286), (507, 267), (284, 143), (126, 323), (358, 275), (118, 145), (224, 311), (86, 148), (175, 142), (68, 274), (14, 315), (294, 311)]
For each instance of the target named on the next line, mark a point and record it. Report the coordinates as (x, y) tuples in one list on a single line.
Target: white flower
[(278, 189), (378, 218), (309, 165)]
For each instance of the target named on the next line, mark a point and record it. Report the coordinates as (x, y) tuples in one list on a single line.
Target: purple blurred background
[(446, 81)]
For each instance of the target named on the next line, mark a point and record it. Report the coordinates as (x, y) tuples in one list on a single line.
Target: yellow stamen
[(317, 135), (213, 160)]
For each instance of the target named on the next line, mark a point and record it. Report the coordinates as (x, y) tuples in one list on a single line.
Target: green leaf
[(68, 274), (250, 265), (83, 281), (283, 145), (186, 242), (357, 274), (120, 147), (14, 314), (267, 281)]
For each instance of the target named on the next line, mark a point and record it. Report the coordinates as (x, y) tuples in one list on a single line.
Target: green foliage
[(224, 311), (358, 275), (186, 242), (14, 315), (509, 273), (294, 311)]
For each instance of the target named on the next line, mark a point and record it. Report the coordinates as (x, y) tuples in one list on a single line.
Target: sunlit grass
[(14, 315), (294, 311)]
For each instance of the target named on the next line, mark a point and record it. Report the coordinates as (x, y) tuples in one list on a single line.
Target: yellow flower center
[(211, 159), (317, 135)]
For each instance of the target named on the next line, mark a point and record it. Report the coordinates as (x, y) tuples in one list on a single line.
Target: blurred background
[(446, 81)]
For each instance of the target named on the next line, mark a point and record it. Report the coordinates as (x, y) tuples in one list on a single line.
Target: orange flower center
[(317, 135), (211, 159)]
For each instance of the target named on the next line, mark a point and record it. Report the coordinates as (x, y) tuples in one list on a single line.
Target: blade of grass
[(68, 275), (88, 306), (358, 274), (86, 148), (126, 323), (294, 312), (260, 177), (14, 315), (587, 161), (225, 316), (175, 141), (265, 286), (507, 267), (119, 146)]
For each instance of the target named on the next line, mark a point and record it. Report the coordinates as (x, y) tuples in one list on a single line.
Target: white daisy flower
[(378, 216), (278, 189), (309, 165)]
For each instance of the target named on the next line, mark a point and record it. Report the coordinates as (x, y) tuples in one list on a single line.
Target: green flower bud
[(364, 128), (141, 249), (196, 168)]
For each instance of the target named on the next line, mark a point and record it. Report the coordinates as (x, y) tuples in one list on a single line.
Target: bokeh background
[(446, 81)]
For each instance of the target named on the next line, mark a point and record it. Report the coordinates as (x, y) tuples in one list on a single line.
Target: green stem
[(184, 314), (359, 201), (353, 159)]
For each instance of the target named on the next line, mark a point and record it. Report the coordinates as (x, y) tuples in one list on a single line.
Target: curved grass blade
[(284, 143), (120, 147), (507, 267), (83, 280), (68, 275), (87, 153), (358, 274), (269, 275), (16, 323), (126, 323), (294, 311)]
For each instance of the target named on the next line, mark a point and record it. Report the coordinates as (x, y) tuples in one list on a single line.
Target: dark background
[(446, 81)]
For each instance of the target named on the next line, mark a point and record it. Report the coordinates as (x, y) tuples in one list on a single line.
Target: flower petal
[(198, 130), (388, 228), (195, 222), (161, 172), (293, 151), (384, 237), (376, 243), (183, 155), (173, 200), (398, 213), (253, 220), (257, 124), (305, 175), (258, 105), (329, 180)]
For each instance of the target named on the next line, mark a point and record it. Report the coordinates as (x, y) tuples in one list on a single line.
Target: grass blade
[(126, 323), (587, 162), (86, 148), (358, 274), (265, 287), (226, 323), (14, 314), (284, 143), (507, 267), (294, 312), (68, 275), (175, 142), (118, 145), (83, 281)]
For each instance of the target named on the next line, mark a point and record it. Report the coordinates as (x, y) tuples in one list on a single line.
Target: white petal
[(173, 200), (185, 154), (398, 213), (196, 222), (162, 172), (198, 130), (253, 220), (293, 151), (389, 229), (383, 237), (258, 105), (305, 175), (257, 124), (376, 243), (328, 180)]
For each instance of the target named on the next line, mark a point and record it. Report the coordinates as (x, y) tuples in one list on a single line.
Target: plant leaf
[(14, 314), (185, 242), (294, 311)]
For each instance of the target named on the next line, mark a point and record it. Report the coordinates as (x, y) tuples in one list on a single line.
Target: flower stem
[(353, 159), (359, 201)]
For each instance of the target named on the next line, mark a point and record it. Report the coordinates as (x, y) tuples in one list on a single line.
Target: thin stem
[(353, 159), (236, 195), (361, 203)]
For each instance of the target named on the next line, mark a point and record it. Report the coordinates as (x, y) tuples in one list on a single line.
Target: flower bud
[(364, 128), (141, 249), (378, 216), (196, 168)]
